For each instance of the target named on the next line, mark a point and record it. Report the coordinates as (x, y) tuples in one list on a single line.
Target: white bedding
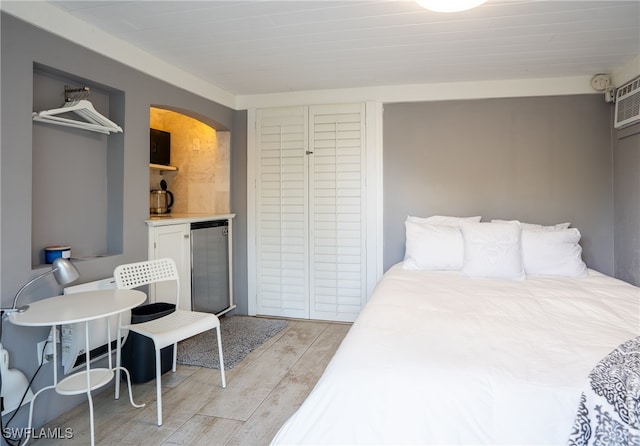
[(440, 358)]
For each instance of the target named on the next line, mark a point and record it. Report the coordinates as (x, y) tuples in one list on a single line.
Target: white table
[(82, 307)]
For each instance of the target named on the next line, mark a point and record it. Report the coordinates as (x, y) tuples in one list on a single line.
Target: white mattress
[(439, 358)]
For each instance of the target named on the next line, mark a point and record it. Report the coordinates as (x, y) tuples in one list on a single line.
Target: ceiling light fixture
[(449, 5)]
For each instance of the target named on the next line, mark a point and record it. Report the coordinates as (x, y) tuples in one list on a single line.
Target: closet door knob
[(309, 152)]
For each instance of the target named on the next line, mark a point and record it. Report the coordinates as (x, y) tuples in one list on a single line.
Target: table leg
[(88, 365), (118, 355), (55, 381)]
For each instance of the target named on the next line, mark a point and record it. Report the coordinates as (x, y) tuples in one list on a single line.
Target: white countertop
[(174, 219)]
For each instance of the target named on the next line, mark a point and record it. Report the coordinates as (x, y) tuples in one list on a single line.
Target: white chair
[(169, 329)]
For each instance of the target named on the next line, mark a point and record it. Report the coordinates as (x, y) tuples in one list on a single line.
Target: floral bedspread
[(609, 409)]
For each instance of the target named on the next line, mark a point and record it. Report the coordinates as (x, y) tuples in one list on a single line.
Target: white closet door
[(337, 211), (282, 223), (311, 259)]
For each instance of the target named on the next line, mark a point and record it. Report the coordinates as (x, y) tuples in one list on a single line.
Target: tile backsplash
[(202, 156)]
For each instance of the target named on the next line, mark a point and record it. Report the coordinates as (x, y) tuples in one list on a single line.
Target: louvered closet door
[(310, 233), (282, 226), (336, 212)]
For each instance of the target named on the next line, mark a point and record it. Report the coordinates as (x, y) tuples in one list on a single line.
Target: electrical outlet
[(39, 347)]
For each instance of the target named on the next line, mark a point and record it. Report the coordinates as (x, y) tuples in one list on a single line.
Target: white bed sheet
[(439, 358)]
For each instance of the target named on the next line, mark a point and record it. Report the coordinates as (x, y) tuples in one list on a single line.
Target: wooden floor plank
[(258, 378), (262, 392), (204, 430), (291, 391)]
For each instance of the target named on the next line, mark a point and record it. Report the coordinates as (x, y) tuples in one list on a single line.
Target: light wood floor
[(262, 392)]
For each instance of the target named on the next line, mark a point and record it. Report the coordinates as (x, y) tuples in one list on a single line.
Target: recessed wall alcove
[(77, 175), (200, 150)]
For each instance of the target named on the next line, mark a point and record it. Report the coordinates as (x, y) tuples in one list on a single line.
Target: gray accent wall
[(23, 46), (626, 175), (239, 203), (539, 160)]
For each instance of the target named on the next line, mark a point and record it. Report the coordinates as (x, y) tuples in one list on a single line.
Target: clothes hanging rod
[(76, 101), (73, 94)]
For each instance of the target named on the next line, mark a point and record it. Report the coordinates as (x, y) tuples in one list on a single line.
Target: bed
[(469, 354)]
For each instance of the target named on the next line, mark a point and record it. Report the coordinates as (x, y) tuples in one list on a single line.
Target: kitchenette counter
[(175, 219)]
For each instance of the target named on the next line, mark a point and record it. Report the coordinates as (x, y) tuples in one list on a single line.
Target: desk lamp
[(12, 380), (63, 270)]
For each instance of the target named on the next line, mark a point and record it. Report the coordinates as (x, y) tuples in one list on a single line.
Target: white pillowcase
[(555, 253), (432, 247), (443, 220), (536, 227), (492, 250)]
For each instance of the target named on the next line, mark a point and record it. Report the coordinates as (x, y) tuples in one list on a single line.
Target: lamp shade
[(64, 271)]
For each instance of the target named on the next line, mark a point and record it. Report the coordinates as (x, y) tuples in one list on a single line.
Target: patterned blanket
[(609, 409)]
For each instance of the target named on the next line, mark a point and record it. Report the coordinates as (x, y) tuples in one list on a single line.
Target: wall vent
[(627, 104)]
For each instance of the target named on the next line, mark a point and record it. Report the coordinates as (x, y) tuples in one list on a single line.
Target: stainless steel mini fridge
[(210, 266)]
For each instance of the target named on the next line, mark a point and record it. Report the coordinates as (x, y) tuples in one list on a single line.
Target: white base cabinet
[(171, 237), (172, 241)]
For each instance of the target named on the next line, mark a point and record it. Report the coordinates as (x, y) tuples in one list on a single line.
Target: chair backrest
[(134, 275)]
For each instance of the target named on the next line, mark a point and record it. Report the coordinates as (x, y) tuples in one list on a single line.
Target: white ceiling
[(257, 47)]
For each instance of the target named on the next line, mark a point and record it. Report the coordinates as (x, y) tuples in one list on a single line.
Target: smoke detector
[(600, 82)]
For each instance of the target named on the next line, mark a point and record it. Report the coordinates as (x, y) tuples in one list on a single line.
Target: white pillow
[(492, 250), (443, 220), (536, 227), (555, 253), (432, 247)]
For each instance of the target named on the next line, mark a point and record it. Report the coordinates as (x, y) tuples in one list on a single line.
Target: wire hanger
[(76, 103)]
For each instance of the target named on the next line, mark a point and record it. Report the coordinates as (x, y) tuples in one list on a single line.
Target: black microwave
[(159, 147)]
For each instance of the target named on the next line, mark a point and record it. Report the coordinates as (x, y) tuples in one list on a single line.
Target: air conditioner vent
[(627, 104)]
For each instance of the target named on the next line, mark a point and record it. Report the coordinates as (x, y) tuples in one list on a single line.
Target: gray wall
[(239, 204), (22, 46), (540, 160), (626, 175)]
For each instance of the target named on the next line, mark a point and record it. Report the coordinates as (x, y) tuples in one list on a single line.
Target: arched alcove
[(200, 152), (191, 114)]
